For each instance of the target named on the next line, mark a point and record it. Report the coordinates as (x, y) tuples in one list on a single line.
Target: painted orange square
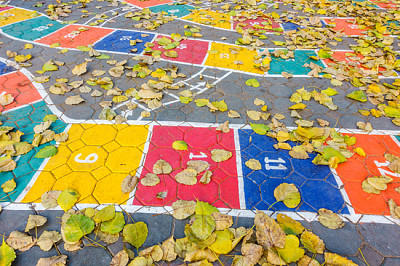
[(347, 56), (346, 25), (356, 169), (384, 4), (20, 87), (148, 3), (66, 37)]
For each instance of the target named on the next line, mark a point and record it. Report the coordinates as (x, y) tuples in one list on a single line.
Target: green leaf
[(172, 54), (103, 56), (312, 242), (204, 208), (330, 92), (164, 41), (201, 102), (357, 95), (203, 226), (180, 145), (221, 105), (324, 54), (135, 234), (392, 112), (77, 226), (292, 200), (350, 140), (290, 226), (105, 214), (330, 152), (83, 48), (67, 199), (46, 152), (52, 118), (253, 83), (115, 225), (291, 252), (107, 114), (260, 129), (185, 100), (7, 254), (223, 242), (49, 67)]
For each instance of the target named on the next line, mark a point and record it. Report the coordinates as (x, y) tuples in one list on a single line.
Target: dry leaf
[(120, 259), (187, 177), (35, 221), (269, 233), (330, 219), (72, 100), (53, 261), (21, 241), (168, 247), (182, 209), (80, 69), (253, 164), (48, 239), (49, 199), (206, 178), (219, 155), (129, 183), (162, 167), (198, 165), (224, 127), (150, 180), (222, 221)]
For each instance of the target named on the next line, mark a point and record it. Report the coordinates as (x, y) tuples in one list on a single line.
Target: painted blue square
[(4, 69), (119, 41), (288, 26), (398, 64), (173, 10), (25, 119), (316, 183)]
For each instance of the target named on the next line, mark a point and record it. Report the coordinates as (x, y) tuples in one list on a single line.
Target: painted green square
[(294, 65), (32, 29), (173, 10)]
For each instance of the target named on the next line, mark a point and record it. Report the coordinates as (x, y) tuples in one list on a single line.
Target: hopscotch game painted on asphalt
[(98, 156)]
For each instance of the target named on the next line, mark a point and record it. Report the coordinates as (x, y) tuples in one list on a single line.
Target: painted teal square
[(295, 65), (173, 10), (25, 119), (32, 29)]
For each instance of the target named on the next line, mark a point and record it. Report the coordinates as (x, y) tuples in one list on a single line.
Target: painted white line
[(242, 198)]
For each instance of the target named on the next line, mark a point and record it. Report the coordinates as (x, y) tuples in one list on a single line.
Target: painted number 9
[(91, 158)]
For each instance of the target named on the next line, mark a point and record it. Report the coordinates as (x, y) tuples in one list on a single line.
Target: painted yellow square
[(43, 183), (111, 146), (210, 18), (84, 164), (223, 57), (15, 15)]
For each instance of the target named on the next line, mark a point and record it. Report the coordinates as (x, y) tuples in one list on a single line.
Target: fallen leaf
[(334, 259), (198, 165), (120, 259), (183, 209), (76, 227), (21, 241), (269, 233), (161, 167), (129, 183), (224, 127), (9, 186), (329, 219), (49, 199), (288, 193), (80, 69), (312, 242), (394, 209), (150, 180), (180, 145), (222, 221), (48, 239), (105, 214), (7, 254), (187, 177), (206, 177), (73, 100), (67, 199), (253, 164), (55, 260), (219, 155), (291, 252), (168, 248), (135, 234), (290, 226), (35, 221)]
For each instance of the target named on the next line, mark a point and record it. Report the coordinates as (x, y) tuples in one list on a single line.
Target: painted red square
[(347, 57), (223, 189), (20, 87), (385, 4), (5, 8), (356, 169), (148, 3), (189, 51), (250, 23), (346, 25), (66, 37)]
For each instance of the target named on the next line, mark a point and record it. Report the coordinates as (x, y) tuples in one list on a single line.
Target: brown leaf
[(53, 261), (198, 165), (222, 221), (161, 167), (48, 239), (219, 155), (150, 180), (21, 241), (80, 69), (120, 259), (49, 199), (224, 127), (206, 178), (73, 247), (269, 233), (129, 183), (187, 177), (330, 219), (34, 221), (154, 252), (168, 247), (182, 209), (73, 100), (394, 209)]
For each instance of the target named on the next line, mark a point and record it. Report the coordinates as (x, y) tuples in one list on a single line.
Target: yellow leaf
[(359, 151)]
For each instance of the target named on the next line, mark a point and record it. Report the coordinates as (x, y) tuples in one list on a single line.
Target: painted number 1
[(280, 166), (91, 158), (201, 155)]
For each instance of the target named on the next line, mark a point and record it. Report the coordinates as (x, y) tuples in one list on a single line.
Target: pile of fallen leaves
[(208, 234)]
